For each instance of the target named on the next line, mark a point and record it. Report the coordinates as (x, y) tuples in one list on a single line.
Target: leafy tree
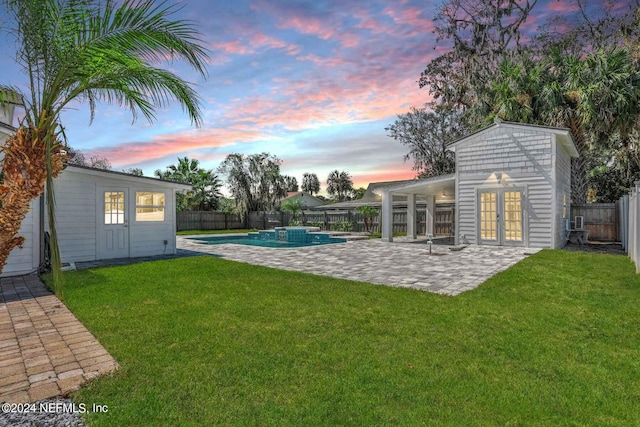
[(426, 133), (254, 181), (483, 34), (134, 171), (595, 96), (206, 184), (291, 184), (310, 183), (98, 51), (358, 193), (77, 157), (582, 77), (339, 185)]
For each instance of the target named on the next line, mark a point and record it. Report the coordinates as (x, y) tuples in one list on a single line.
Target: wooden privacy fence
[(326, 220), (207, 220), (600, 219)]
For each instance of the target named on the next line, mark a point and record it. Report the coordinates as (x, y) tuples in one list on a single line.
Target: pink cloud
[(307, 25), (411, 16), (562, 6), (131, 153), (382, 175)]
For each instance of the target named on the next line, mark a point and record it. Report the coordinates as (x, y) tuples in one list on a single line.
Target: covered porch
[(431, 191)]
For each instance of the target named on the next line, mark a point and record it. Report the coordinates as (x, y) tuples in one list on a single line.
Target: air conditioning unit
[(579, 224)]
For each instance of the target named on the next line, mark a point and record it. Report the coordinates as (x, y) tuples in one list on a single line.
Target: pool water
[(246, 240)]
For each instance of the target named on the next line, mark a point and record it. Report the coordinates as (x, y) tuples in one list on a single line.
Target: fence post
[(326, 221)]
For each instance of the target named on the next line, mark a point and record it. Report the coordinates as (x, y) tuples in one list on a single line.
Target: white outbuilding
[(101, 215), (512, 187)]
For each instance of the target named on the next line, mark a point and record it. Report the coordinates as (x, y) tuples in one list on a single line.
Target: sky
[(314, 82)]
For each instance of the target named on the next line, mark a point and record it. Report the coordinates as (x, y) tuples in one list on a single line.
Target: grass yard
[(237, 230), (553, 341)]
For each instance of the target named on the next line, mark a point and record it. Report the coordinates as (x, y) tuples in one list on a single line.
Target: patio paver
[(44, 349), (403, 263)]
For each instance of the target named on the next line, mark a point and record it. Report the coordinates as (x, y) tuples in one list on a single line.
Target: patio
[(404, 263), (44, 350)]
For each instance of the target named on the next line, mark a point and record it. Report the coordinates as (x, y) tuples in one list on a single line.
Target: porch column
[(430, 215), (387, 216), (411, 216)]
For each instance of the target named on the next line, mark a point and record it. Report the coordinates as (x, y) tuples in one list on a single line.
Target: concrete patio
[(403, 263), (44, 349)]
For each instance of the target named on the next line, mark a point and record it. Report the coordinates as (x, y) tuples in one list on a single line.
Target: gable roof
[(563, 135), (303, 195), (128, 177)]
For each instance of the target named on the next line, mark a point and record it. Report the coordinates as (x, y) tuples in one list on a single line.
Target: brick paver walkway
[(403, 263), (44, 350)]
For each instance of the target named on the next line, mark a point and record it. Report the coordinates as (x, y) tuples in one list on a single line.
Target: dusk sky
[(313, 82)]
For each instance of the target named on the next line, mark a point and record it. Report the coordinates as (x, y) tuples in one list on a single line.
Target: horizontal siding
[(537, 207), (26, 259), (563, 187), (76, 216)]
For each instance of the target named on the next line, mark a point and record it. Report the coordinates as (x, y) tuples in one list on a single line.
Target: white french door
[(500, 220)]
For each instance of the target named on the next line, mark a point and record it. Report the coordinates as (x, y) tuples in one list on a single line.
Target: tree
[(291, 184), (97, 51), (575, 78), (254, 181), (595, 96), (310, 183), (134, 171), (483, 34), (339, 185), (205, 183), (427, 133), (206, 190), (358, 193), (77, 157), (368, 213), (294, 205)]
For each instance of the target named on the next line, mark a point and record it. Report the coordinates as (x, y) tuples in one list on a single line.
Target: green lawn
[(237, 230), (553, 341)]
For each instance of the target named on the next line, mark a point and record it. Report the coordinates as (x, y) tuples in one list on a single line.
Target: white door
[(500, 217), (113, 232)]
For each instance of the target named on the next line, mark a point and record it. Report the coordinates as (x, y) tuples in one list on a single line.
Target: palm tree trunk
[(579, 166), (24, 168)]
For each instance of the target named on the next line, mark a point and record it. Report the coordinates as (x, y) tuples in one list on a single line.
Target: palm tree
[(185, 171), (339, 185), (98, 51), (595, 97), (310, 183), (206, 190)]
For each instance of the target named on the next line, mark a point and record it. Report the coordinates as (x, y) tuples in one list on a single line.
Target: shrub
[(343, 226)]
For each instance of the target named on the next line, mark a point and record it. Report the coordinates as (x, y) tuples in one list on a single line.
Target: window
[(113, 207), (149, 206)]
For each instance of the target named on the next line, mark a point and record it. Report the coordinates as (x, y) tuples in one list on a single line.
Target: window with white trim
[(150, 206)]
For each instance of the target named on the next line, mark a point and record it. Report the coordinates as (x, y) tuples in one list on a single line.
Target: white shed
[(104, 214), (512, 186)]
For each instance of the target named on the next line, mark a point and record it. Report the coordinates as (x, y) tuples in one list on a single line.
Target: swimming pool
[(252, 241)]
